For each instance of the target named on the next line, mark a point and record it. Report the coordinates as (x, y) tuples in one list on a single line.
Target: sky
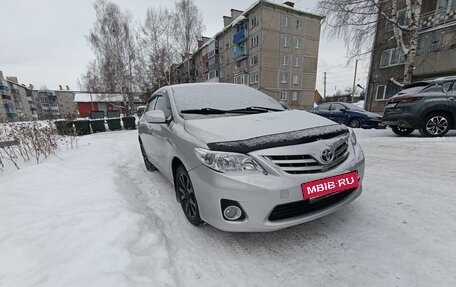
[(43, 41)]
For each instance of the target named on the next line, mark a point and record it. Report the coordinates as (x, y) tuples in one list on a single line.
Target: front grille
[(302, 207), (305, 164)]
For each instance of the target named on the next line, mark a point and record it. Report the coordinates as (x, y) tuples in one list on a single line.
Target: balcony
[(6, 97), (15, 91), (435, 19), (240, 36), (239, 52), (4, 88), (11, 115)]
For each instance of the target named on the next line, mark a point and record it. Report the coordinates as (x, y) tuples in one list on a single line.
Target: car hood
[(243, 127)]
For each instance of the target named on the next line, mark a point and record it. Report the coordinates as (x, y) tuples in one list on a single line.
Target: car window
[(324, 107), (446, 86), (433, 88), (164, 105), (152, 102), (337, 107)]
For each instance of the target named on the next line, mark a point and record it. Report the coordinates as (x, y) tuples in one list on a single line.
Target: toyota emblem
[(327, 156)]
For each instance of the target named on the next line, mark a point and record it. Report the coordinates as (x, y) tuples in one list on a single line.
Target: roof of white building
[(89, 97)]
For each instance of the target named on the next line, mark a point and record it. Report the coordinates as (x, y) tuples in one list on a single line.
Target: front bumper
[(258, 195), (371, 123)]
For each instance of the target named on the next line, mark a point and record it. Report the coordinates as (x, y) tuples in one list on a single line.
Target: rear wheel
[(402, 131), (354, 123), (186, 196), (435, 125), (147, 163)]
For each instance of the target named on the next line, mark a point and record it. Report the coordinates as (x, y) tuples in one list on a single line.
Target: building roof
[(92, 97)]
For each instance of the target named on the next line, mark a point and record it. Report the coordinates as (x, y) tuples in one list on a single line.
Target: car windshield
[(220, 98)]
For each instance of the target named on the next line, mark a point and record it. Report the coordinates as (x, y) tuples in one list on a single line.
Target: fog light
[(232, 212)]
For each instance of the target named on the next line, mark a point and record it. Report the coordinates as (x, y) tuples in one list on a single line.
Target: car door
[(337, 113), (161, 146), (144, 127), (323, 110)]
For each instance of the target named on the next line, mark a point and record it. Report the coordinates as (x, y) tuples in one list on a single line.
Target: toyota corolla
[(239, 161)]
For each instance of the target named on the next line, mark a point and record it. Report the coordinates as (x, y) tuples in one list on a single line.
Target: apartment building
[(17, 100), (271, 47), (436, 55)]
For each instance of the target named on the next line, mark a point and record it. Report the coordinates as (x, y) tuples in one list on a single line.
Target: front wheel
[(435, 125), (186, 196), (402, 131)]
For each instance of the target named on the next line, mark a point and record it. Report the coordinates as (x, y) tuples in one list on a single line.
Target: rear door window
[(324, 107), (337, 107)]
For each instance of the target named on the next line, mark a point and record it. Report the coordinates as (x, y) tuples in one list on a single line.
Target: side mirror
[(155, 117), (342, 110)]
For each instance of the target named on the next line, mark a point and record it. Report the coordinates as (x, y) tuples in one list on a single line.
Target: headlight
[(353, 136), (228, 162)]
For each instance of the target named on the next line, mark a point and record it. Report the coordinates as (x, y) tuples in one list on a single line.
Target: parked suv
[(427, 106)]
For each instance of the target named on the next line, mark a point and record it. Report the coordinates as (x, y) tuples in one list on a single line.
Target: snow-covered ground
[(93, 216)]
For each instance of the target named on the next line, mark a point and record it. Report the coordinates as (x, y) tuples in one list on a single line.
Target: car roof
[(431, 81)]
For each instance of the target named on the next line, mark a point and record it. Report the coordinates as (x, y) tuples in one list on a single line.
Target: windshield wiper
[(247, 110), (204, 111), (256, 109)]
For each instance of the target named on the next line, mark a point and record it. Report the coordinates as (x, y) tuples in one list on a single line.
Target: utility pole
[(354, 82), (324, 85)]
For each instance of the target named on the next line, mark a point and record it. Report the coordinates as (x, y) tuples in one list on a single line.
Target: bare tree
[(356, 21), (188, 27), (158, 48), (113, 42)]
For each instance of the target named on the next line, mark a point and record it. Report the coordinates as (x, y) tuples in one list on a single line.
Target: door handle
[(451, 98)]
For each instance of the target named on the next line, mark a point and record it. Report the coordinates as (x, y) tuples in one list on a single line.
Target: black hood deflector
[(281, 139)]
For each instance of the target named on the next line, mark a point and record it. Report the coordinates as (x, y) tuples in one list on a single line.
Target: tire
[(147, 163), (436, 125), (186, 196), (402, 131), (354, 123)]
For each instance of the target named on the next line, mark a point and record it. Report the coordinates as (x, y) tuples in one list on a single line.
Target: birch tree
[(113, 43), (188, 25), (158, 48), (355, 21)]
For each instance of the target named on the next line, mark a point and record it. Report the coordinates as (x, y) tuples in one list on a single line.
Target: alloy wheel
[(436, 125), (186, 195)]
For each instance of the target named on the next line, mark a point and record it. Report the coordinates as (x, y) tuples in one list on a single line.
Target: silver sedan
[(239, 161)]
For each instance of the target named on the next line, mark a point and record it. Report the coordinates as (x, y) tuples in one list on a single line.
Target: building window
[(283, 96), (285, 41), (284, 60), (254, 22), (431, 42), (254, 78), (295, 80), (297, 62), (286, 22), (384, 92), (380, 95), (294, 96), (241, 79), (254, 41), (284, 78), (254, 60), (298, 43), (298, 24), (391, 57)]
